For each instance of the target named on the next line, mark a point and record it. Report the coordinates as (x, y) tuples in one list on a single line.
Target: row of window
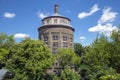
[(55, 46), (65, 44), (65, 38), (48, 21)]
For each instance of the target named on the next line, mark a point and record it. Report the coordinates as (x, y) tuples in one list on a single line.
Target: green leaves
[(30, 58), (79, 49), (3, 52), (102, 56), (69, 74), (67, 57)]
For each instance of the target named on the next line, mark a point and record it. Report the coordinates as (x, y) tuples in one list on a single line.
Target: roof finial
[(56, 8)]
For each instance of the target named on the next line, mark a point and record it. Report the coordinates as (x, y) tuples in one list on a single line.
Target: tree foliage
[(67, 57), (29, 60), (6, 43), (102, 56), (79, 50), (115, 50), (68, 74)]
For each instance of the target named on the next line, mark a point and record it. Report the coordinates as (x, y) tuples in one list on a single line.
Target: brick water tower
[(56, 31)]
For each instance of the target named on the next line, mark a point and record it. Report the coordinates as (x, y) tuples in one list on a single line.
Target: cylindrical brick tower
[(56, 31)]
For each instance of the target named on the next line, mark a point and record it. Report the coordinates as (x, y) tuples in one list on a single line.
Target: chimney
[(56, 8)]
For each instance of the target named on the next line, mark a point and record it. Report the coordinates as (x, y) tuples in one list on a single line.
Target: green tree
[(115, 50), (111, 74), (96, 58), (79, 50), (6, 43), (29, 60), (68, 57), (69, 74)]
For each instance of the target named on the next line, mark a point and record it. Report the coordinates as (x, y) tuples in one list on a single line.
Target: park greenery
[(32, 59)]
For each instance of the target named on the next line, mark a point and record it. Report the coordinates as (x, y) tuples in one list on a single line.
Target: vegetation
[(31, 59)]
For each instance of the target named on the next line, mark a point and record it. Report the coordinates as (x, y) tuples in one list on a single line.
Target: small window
[(55, 20), (55, 37), (64, 38), (71, 45), (45, 38), (54, 50), (55, 44), (65, 44), (71, 39)]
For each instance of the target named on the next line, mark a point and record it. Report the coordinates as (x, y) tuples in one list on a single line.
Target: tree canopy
[(29, 60)]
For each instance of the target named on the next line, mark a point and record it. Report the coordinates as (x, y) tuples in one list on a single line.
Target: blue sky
[(22, 18)]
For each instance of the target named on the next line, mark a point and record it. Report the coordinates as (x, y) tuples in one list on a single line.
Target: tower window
[(65, 44), (55, 37), (55, 20), (71, 39), (64, 38), (55, 44), (45, 38), (71, 45), (54, 50)]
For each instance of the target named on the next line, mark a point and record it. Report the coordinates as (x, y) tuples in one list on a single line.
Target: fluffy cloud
[(42, 15), (92, 11), (82, 38), (21, 35), (105, 23), (105, 29), (9, 15), (107, 16)]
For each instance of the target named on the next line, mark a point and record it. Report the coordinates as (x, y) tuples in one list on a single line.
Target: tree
[(115, 50), (29, 60), (96, 58), (66, 74), (111, 74), (79, 50), (101, 57), (6, 43), (68, 57), (69, 74)]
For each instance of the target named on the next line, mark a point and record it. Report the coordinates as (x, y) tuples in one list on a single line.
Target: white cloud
[(105, 25), (21, 35), (42, 15), (92, 11), (105, 29), (107, 16), (9, 15), (82, 38)]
